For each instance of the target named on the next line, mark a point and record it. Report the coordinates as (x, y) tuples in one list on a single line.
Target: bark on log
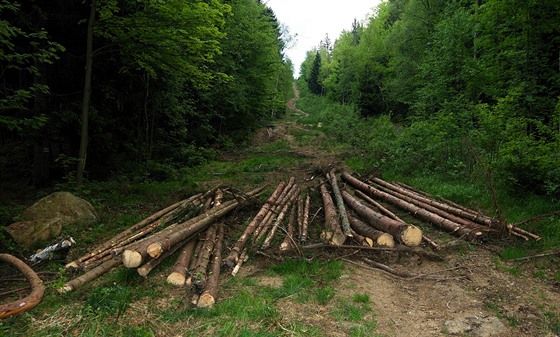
[(300, 206), (194, 259), (339, 204), (380, 207), (29, 301), (279, 219), (208, 297), (233, 256), (117, 239), (90, 275), (440, 212), (405, 233), (303, 237), (478, 218), (200, 272), (435, 219), (289, 238), (150, 265), (263, 227), (379, 238), (242, 258), (169, 238), (332, 232), (269, 221), (360, 239), (177, 277)]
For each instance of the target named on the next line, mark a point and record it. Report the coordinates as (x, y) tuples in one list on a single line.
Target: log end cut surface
[(412, 236), (386, 240), (206, 300), (131, 259), (176, 279)]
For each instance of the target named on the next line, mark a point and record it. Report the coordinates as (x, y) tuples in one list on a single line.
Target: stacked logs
[(191, 226), (287, 211), (448, 216)]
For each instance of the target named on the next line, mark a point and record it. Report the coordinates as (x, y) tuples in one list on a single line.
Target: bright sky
[(310, 20)]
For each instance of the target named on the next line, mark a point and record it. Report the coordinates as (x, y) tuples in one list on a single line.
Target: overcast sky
[(309, 21)]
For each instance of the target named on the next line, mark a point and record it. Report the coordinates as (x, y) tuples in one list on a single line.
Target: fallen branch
[(29, 301), (527, 258)]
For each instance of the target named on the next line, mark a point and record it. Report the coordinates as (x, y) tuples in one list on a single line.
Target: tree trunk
[(233, 256), (339, 204), (208, 297), (435, 219), (179, 272), (440, 212), (87, 97), (90, 275), (289, 238), (380, 207), (478, 218), (29, 301), (269, 219), (200, 272), (148, 266), (405, 233), (379, 238), (332, 232), (194, 259), (303, 237), (279, 219)]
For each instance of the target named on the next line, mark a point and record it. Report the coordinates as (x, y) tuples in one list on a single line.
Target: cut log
[(263, 227), (117, 239), (279, 219), (289, 238), (303, 236), (233, 256), (405, 233), (423, 214), (332, 232), (208, 297), (300, 206), (200, 272), (90, 275), (339, 204), (384, 210), (194, 259), (362, 240), (478, 218), (179, 272), (440, 212), (378, 238), (242, 259), (269, 221), (150, 265), (29, 301), (167, 239)]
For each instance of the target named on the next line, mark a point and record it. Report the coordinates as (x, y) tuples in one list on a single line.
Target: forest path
[(482, 296)]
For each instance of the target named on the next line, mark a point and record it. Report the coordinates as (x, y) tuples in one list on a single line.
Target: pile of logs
[(259, 233), (446, 215), (191, 226)]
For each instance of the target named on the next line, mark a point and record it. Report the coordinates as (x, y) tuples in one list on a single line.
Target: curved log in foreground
[(31, 300)]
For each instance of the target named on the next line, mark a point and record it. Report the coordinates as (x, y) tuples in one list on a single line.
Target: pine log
[(233, 256), (379, 238), (200, 271), (115, 240), (90, 275), (269, 220), (169, 238), (29, 301), (478, 218), (303, 237), (177, 277), (339, 204), (194, 259), (384, 210), (405, 233), (242, 258), (440, 212), (360, 239), (435, 219), (289, 238), (332, 232), (279, 219), (208, 297), (261, 229), (300, 206), (145, 269)]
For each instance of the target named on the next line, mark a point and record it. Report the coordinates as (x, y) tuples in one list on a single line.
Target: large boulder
[(45, 219)]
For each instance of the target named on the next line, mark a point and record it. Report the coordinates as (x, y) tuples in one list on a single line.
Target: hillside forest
[(466, 88), (133, 88)]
